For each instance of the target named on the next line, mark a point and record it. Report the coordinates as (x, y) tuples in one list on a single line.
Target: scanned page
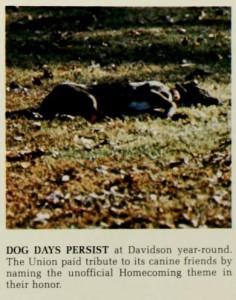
[(117, 150)]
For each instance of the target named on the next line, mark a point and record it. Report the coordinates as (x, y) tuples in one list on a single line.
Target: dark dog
[(115, 99), (96, 101)]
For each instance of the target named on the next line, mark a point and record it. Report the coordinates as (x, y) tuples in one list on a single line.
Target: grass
[(134, 172)]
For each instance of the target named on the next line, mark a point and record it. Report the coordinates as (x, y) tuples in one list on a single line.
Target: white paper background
[(118, 288)]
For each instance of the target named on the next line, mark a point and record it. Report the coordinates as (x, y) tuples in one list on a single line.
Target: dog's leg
[(29, 113), (159, 101)]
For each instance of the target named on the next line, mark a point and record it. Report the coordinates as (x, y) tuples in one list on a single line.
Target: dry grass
[(135, 172)]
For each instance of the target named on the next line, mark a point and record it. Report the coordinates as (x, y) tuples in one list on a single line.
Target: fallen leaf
[(102, 170), (18, 138), (41, 218), (25, 164), (37, 125), (153, 197), (65, 178)]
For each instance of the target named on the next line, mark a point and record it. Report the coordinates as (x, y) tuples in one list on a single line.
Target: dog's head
[(191, 94)]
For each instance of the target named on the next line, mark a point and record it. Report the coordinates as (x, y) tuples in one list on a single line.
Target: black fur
[(95, 101), (192, 94)]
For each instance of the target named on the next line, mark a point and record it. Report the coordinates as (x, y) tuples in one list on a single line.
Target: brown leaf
[(41, 218), (25, 164), (65, 178)]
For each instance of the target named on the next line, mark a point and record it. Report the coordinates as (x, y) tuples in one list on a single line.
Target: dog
[(96, 101), (115, 99)]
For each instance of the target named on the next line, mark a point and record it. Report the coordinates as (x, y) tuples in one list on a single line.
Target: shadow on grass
[(50, 35), (107, 18)]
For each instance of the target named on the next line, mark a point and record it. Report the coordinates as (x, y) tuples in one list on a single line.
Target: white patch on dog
[(71, 83), (139, 105), (172, 111)]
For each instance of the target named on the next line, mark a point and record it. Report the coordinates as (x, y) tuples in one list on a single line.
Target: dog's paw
[(179, 116)]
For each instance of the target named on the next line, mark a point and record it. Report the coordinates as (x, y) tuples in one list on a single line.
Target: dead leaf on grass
[(56, 198), (103, 170), (42, 218), (87, 143), (153, 197), (219, 217), (37, 125), (25, 164), (65, 178), (18, 138), (219, 196)]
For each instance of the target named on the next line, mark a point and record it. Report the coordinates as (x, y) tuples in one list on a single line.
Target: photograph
[(118, 117)]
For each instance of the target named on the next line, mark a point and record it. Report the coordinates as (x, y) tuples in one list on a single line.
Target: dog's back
[(107, 99)]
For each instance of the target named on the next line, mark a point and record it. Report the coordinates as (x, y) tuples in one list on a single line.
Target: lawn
[(130, 172)]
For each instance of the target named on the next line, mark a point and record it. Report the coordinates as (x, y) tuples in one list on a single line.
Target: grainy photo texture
[(118, 117)]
